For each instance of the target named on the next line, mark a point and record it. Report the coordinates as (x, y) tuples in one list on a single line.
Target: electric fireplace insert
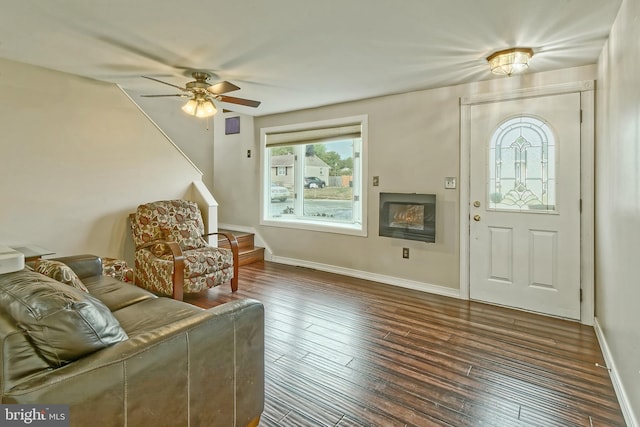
[(408, 216)]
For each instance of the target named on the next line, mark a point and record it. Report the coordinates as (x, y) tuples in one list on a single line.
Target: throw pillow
[(60, 272), (62, 322)]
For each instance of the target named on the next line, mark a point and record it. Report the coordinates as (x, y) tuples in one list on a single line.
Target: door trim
[(587, 188)]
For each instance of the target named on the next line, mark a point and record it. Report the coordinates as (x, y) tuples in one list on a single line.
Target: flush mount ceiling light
[(510, 61)]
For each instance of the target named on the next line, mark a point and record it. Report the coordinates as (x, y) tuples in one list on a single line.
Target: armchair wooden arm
[(233, 244)]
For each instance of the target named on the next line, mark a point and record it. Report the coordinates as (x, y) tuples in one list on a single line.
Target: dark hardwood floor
[(347, 352)]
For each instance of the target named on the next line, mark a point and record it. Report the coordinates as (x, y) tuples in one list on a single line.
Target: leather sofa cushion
[(114, 293), (62, 322)]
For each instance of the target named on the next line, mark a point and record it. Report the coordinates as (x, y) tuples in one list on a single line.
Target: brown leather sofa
[(178, 365)]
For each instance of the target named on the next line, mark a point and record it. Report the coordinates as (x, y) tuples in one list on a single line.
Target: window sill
[(357, 229)]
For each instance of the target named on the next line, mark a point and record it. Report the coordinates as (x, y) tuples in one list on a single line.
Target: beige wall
[(76, 156), (235, 174), (618, 199), (193, 136), (413, 146)]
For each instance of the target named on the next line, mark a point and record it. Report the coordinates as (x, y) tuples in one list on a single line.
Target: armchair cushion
[(186, 234), (203, 268), (160, 249), (62, 322)]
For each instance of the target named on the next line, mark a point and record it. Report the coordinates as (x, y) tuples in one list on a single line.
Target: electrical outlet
[(405, 253), (450, 182), (248, 153)]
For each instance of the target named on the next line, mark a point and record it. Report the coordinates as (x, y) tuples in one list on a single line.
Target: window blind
[(310, 136)]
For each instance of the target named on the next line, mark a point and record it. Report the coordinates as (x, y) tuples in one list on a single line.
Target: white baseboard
[(389, 280), (625, 404)]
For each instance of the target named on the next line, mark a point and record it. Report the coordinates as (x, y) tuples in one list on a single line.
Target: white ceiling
[(295, 54)]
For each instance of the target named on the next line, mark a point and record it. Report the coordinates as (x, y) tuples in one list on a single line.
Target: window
[(322, 188), (522, 166)]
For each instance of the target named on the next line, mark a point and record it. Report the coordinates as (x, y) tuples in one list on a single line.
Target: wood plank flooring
[(347, 352)]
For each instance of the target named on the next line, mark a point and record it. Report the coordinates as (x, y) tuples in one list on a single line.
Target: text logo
[(34, 415)]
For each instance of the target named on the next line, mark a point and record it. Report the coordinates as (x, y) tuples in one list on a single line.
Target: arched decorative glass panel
[(522, 166)]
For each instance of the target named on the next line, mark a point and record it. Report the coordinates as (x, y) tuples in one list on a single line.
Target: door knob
[(476, 217), (476, 203)]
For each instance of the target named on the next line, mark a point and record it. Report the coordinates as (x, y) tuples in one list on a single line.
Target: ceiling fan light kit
[(200, 107), (204, 93), (510, 61)]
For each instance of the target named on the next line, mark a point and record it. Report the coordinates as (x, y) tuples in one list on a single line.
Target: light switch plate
[(450, 182)]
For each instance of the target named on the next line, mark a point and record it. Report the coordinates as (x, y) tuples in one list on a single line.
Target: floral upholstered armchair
[(172, 257)]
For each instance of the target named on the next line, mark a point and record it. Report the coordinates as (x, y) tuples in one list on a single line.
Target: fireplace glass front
[(408, 216)]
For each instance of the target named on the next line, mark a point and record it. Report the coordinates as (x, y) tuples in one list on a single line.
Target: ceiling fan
[(202, 94)]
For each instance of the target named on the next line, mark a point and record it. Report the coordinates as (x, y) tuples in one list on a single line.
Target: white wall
[(76, 156), (413, 146), (618, 200)]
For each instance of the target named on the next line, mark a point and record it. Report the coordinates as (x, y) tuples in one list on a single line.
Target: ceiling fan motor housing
[(200, 82)]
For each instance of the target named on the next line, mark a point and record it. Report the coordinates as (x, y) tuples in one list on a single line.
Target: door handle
[(476, 217)]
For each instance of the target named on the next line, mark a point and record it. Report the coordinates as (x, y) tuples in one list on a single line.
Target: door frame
[(587, 187)]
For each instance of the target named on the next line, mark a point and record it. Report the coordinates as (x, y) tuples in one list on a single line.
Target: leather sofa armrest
[(85, 265)]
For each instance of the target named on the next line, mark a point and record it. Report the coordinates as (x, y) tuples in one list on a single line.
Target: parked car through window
[(279, 193), (313, 182)]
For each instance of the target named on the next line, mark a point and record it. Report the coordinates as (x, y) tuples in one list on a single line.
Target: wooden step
[(247, 251), (250, 256)]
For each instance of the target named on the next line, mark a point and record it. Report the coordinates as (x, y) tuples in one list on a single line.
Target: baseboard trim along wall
[(389, 280), (623, 399)]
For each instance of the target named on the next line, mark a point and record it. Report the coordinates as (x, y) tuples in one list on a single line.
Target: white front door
[(525, 204)]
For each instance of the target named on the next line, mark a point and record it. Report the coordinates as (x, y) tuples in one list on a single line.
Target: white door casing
[(528, 258), (525, 192)]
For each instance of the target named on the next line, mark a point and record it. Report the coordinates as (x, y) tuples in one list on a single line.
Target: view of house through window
[(313, 176)]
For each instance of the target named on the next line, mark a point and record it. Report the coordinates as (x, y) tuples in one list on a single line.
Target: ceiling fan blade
[(239, 101), (181, 95), (160, 81), (222, 87)]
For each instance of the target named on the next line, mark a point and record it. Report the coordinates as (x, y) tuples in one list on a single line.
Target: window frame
[(356, 228)]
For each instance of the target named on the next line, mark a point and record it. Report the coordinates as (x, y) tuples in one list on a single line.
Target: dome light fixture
[(510, 61)]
